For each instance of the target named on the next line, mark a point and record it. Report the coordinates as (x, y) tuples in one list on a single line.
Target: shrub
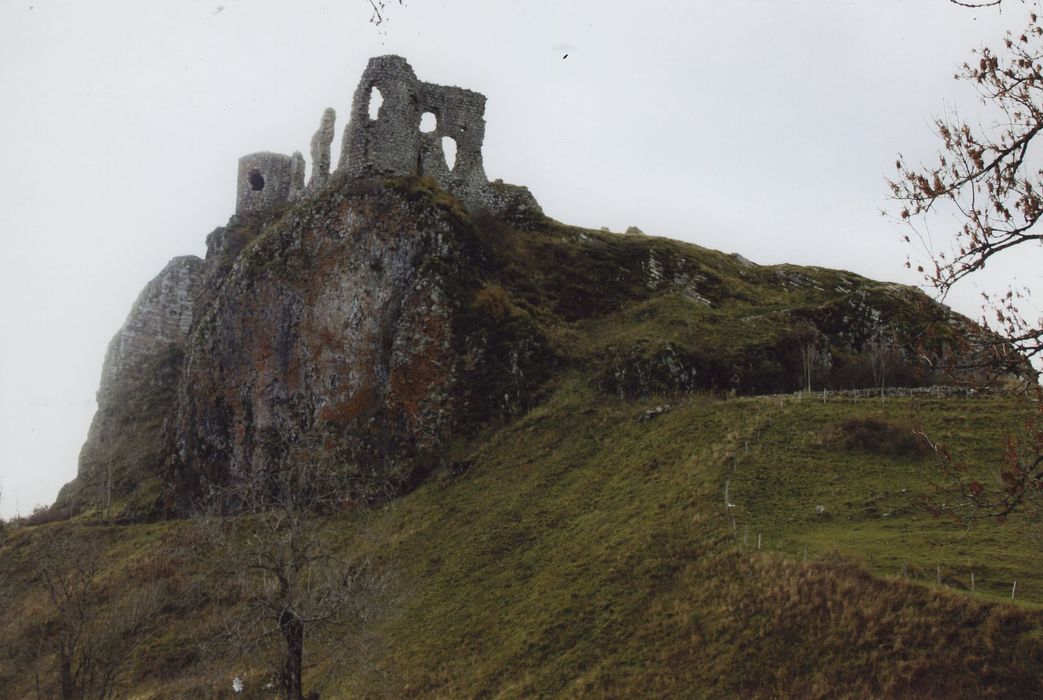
[(492, 301), (876, 436)]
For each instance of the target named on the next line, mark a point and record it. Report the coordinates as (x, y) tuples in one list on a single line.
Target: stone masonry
[(414, 131), (393, 143), (320, 150), (264, 181)]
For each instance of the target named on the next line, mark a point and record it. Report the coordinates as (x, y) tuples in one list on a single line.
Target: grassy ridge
[(575, 547), (586, 552), (875, 501)]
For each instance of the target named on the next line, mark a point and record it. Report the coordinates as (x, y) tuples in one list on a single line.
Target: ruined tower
[(267, 179), (398, 125), (400, 141)]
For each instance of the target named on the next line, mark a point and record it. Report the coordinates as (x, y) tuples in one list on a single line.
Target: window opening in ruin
[(449, 150), (256, 181), (428, 122), (375, 100)]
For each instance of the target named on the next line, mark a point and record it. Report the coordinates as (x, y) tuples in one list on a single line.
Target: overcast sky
[(763, 127)]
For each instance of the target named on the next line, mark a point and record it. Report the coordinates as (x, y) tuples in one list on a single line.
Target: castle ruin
[(399, 125)]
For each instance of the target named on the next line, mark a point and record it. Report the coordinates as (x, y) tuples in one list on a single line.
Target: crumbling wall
[(320, 150), (393, 138), (394, 144)]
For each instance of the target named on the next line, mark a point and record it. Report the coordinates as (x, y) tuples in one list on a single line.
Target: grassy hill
[(575, 541), (584, 551)]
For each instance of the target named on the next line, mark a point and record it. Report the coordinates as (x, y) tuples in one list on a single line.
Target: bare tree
[(83, 646), (298, 595), (807, 339), (880, 350), (378, 10), (988, 176), (967, 498)]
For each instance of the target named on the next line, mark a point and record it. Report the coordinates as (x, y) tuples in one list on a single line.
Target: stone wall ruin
[(394, 143), (267, 179), (398, 125)]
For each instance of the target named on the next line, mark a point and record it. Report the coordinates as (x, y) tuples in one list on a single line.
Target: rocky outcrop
[(332, 337), (342, 330), (373, 322), (159, 320), (124, 447), (374, 315)]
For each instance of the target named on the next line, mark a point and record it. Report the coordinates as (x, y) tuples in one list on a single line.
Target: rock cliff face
[(139, 379), (334, 335), (374, 322), (340, 329)]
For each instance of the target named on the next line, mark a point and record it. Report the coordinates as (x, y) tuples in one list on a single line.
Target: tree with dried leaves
[(298, 596), (988, 176)]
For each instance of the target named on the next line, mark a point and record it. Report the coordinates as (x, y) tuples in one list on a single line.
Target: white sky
[(763, 127)]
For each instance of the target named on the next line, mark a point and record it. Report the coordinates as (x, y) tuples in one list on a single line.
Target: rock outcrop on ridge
[(373, 316)]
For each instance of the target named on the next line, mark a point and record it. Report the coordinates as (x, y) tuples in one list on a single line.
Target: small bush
[(43, 515), (492, 301), (153, 566), (876, 436)]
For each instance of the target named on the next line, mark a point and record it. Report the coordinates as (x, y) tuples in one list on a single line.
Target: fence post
[(1012, 589)]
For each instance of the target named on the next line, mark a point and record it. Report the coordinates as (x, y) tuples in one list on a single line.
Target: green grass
[(875, 505), (588, 553), (584, 552), (569, 548)]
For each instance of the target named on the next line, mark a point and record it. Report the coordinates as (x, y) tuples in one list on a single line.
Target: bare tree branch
[(991, 178), (294, 586)]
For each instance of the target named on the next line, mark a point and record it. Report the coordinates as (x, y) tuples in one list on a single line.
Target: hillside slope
[(585, 551), (543, 425), (376, 321)]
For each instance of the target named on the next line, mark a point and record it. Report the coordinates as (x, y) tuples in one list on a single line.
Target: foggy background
[(763, 127)]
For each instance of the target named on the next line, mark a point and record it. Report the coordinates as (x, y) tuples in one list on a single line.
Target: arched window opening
[(375, 101), (449, 150), (428, 122), (256, 180)]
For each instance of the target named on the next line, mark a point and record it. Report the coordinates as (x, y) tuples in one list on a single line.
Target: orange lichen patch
[(329, 341), (239, 429), (413, 385), (342, 412), (293, 374)]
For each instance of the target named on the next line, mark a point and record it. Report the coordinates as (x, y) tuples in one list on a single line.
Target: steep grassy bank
[(583, 551), (586, 463), (597, 559)]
